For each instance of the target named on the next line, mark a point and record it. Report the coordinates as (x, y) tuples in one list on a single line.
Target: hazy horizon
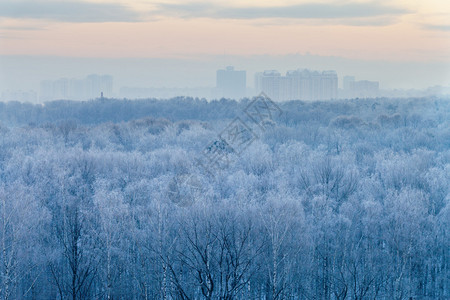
[(401, 44), (26, 72)]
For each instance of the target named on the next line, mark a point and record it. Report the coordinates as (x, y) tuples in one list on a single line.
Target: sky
[(401, 43)]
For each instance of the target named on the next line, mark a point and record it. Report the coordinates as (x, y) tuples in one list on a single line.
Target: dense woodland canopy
[(345, 199)]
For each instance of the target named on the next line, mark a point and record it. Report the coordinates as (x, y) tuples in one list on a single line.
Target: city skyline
[(230, 83), (403, 44), (92, 86), (297, 84)]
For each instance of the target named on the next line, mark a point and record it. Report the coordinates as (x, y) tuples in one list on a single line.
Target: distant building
[(57, 89), (77, 89), (61, 89), (365, 88), (298, 84), (360, 88), (19, 95), (328, 85), (269, 83), (96, 84), (348, 80), (46, 92), (231, 83)]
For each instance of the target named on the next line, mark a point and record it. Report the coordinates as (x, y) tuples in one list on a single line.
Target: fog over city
[(147, 44), (222, 150), (196, 76)]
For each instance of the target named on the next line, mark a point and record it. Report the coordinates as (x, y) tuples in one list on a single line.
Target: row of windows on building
[(299, 84)]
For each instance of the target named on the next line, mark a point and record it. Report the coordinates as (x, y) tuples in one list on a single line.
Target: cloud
[(10, 37), (349, 13), (22, 28), (436, 27), (67, 11), (298, 11)]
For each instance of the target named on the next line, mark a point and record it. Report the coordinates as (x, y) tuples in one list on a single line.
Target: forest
[(192, 199)]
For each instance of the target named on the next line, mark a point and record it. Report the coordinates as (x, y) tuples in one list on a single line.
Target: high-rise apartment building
[(269, 83), (91, 87), (360, 88), (348, 81), (56, 89), (298, 84), (95, 85), (231, 83)]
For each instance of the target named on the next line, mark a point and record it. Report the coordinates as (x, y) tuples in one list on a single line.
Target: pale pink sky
[(176, 43), (397, 30)]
